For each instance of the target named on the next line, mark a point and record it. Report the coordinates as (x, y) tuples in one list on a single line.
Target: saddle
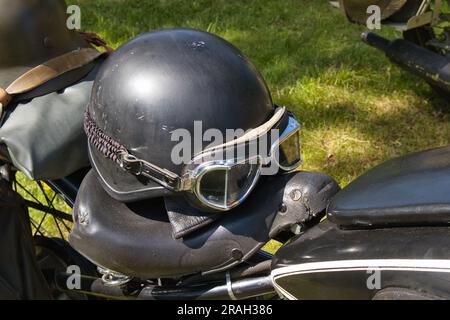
[(136, 239), (408, 191)]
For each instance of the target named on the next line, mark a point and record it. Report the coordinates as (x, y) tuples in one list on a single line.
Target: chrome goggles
[(222, 183)]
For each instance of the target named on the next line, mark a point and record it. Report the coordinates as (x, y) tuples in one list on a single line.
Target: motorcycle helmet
[(181, 83), (32, 35)]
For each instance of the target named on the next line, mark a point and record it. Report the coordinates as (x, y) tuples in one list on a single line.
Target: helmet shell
[(166, 80)]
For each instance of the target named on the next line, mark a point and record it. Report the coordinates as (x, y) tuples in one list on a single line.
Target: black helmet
[(32, 33), (177, 79)]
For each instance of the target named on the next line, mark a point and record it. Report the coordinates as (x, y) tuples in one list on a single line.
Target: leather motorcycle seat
[(408, 191), (136, 239)]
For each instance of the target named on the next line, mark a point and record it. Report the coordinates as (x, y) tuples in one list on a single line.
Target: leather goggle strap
[(252, 134), (5, 99), (48, 71), (96, 40)]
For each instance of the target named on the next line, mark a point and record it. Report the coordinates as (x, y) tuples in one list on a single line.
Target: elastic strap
[(107, 146)]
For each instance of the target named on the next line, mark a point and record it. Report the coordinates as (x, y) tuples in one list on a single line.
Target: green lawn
[(42, 194), (357, 109)]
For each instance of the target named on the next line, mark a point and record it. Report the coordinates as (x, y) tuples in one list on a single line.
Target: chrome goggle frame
[(191, 179)]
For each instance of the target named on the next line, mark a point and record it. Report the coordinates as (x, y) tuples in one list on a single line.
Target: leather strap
[(52, 69), (96, 40), (47, 71), (5, 98)]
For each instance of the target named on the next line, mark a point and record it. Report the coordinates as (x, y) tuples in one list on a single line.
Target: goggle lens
[(289, 154), (224, 187)]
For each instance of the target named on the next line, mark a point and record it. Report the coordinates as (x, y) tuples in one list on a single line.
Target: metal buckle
[(130, 163), (140, 167), (113, 279)]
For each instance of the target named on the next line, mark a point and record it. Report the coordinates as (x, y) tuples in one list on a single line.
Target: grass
[(356, 108), (46, 224)]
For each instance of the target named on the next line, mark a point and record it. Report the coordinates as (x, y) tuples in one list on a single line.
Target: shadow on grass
[(302, 46), (287, 40)]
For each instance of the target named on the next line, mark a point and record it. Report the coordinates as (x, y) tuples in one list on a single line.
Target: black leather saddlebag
[(44, 135), (20, 277)]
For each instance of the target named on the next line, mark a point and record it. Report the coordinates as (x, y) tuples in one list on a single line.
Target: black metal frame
[(61, 219)]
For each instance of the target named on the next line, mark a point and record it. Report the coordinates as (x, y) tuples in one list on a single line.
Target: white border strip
[(420, 265)]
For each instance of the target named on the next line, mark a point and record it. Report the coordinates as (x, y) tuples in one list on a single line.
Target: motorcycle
[(224, 261), (385, 237), (386, 233), (332, 239), (425, 44)]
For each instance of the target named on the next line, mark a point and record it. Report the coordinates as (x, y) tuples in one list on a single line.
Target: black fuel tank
[(329, 263)]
